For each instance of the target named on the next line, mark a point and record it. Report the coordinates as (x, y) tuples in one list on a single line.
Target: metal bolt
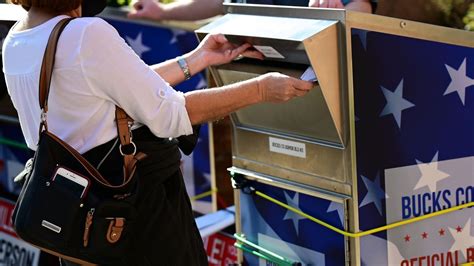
[(47, 183), (403, 24)]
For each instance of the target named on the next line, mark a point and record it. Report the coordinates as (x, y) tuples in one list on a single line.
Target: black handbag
[(66, 207)]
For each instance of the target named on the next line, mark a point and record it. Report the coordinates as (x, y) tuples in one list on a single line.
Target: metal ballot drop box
[(268, 137), (299, 149), (399, 91)]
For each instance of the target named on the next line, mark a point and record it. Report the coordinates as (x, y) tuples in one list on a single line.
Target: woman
[(94, 71)]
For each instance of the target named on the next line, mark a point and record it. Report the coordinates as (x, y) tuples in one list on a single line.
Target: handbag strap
[(123, 120)]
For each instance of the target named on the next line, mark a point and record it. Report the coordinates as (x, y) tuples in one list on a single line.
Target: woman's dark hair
[(58, 6)]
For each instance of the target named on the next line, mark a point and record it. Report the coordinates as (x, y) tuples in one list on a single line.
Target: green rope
[(275, 257), (258, 254), (13, 143)]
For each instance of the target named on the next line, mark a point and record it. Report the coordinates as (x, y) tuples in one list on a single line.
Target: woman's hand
[(215, 49), (146, 9), (326, 3), (276, 87)]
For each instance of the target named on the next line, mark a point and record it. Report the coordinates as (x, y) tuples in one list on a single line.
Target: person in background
[(178, 10), (354, 5), (202, 9)]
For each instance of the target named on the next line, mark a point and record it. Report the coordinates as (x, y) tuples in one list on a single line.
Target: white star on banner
[(430, 175), (462, 239), (375, 193), (334, 206), (176, 33), (395, 103), (459, 81), (137, 45), (293, 202)]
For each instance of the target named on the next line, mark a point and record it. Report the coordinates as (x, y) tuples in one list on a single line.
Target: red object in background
[(2, 165), (6, 211), (220, 250)]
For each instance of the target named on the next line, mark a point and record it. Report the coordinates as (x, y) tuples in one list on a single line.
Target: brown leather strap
[(48, 63), (127, 147), (123, 121)]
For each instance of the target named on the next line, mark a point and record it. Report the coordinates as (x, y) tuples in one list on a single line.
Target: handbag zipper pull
[(90, 215)]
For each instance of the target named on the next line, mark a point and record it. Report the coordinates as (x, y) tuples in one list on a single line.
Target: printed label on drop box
[(287, 147)]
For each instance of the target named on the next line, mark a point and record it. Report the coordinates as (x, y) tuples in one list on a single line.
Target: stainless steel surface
[(290, 119), (298, 187), (298, 43), (323, 167), (280, 28), (318, 122), (286, 11), (285, 35)]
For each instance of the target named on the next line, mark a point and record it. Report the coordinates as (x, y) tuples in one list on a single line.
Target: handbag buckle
[(43, 123), (126, 146), (43, 115), (130, 124), (115, 229)]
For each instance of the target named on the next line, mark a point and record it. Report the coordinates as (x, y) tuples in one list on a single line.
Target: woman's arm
[(359, 5), (116, 74), (212, 104), (179, 10), (172, 73), (215, 49), (355, 5)]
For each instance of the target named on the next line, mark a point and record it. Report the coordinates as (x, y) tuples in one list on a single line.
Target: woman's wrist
[(184, 67), (195, 62), (260, 90)]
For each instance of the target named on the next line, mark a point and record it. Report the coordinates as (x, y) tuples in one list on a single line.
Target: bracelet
[(184, 67)]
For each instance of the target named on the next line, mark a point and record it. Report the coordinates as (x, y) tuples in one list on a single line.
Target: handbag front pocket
[(108, 230), (56, 214)]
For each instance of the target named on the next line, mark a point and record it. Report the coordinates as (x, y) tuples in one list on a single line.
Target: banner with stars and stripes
[(289, 234), (156, 44), (414, 106)]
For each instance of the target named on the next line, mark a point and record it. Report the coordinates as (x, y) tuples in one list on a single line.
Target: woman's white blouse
[(94, 71)]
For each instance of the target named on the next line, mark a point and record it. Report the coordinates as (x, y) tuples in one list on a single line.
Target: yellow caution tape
[(368, 232), (203, 195)]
